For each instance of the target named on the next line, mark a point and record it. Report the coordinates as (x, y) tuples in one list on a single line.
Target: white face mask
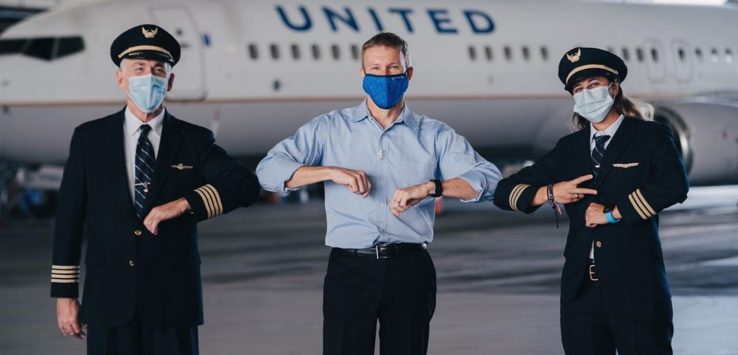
[(593, 104)]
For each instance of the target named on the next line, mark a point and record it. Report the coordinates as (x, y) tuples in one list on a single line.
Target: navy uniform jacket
[(127, 268), (641, 174)]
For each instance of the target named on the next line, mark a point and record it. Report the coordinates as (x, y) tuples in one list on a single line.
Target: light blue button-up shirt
[(413, 150)]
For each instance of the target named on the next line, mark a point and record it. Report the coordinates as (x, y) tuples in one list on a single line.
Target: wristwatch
[(608, 214), (439, 189)]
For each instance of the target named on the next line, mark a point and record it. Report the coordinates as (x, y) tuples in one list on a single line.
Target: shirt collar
[(133, 124), (609, 131), (406, 116)]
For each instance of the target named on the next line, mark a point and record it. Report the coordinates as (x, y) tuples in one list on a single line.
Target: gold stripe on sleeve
[(206, 201), (515, 196), (219, 203), (645, 203), (210, 196), (65, 267), (510, 198), (636, 207)]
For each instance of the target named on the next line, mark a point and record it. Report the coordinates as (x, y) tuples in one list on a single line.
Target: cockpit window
[(45, 48), (68, 46), (12, 46), (41, 48)]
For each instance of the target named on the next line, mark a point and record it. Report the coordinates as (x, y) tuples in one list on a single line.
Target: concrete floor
[(498, 279)]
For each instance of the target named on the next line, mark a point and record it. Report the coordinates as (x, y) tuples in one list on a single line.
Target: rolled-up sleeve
[(305, 147), (457, 158)]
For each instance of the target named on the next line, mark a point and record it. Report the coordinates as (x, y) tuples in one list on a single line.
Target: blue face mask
[(593, 104), (386, 90), (147, 91)]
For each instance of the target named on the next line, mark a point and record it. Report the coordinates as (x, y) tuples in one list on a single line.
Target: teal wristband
[(610, 218)]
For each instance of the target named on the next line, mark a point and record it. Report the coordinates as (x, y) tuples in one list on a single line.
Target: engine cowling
[(706, 133)]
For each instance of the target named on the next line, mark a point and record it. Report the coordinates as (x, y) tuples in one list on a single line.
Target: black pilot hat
[(145, 42), (583, 62)]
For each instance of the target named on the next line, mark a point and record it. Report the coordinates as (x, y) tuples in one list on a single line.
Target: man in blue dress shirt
[(379, 162)]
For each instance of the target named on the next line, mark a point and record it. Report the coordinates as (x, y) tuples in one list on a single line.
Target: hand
[(67, 312), (165, 212), (595, 215), (407, 197), (355, 180), (568, 191)]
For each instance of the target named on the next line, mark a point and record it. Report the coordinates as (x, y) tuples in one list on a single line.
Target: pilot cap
[(582, 62), (145, 42)]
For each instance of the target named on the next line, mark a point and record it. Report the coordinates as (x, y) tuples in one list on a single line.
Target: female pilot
[(613, 175)]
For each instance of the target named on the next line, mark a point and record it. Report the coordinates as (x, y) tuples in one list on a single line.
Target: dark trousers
[(593, 324), (136, 338), (359, 290)]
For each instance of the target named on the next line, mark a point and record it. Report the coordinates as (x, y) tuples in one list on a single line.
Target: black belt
[(385, 250), (592, 271)]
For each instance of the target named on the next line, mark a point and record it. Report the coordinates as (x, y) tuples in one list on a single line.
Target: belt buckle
[(592, 273), (376, 250)]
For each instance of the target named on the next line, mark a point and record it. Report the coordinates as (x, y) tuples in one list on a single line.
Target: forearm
[(307, 175), (457, 188), (541, 196)]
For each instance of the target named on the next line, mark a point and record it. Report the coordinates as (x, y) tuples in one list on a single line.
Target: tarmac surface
[(498, 280)]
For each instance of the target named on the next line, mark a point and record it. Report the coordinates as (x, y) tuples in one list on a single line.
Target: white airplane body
[(254, 71)]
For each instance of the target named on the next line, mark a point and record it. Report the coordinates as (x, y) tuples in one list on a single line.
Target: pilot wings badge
[(574, 57), (181, 166), (149, 33)]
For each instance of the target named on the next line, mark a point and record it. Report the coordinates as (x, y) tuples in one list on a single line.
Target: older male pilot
[(135, 185), (380, 163)]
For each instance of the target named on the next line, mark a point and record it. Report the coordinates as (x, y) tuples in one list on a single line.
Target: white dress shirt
[(609, 131), (131, 132)]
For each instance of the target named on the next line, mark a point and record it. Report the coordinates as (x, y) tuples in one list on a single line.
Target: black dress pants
[(136, 338), (594, 324), (399, 292)]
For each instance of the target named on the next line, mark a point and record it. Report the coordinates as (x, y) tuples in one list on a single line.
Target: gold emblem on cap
[(574, 57), (149, 33)]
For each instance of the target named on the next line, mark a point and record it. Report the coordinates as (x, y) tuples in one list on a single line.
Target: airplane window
[(654, 54), (698, 53), (316, 51), (526, 53), (472, 53), (295, 49), (639, 54), (508, 53), (274, 49), (41, 48), (544, 53), (68, 46), (728, 55), (488, 53), (626, 54), (714, 55), (682, 54), (355, 51), (253, 51), (12, 46), (336, 51)]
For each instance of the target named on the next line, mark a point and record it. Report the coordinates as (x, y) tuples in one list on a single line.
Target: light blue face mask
[(147, 91), (593, 104), (386, 90)]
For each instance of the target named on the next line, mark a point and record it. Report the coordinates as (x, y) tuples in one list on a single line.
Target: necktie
[(598, 152), (145, 162)]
